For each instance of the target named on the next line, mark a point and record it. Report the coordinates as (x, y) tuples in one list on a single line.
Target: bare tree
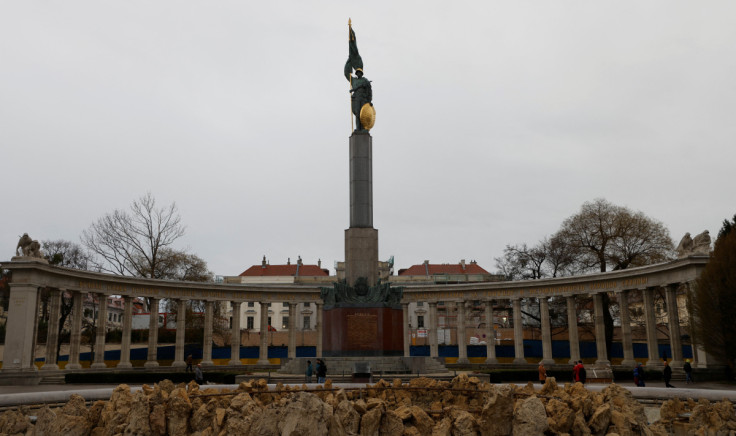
[(131, 243)]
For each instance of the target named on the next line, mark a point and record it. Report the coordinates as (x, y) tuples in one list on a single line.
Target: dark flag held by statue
[(360, 87)]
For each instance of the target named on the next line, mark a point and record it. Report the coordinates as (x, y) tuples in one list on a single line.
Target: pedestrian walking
[(321, 371), (582, 375), (309, 372), (688, 372), (667, 374), (542, 373), (640, 375), (190, 360), (198, 375), (576, 372)]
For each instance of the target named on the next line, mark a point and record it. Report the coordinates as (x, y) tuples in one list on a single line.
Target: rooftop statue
[(28, 247), (360, 87), (700, 245)]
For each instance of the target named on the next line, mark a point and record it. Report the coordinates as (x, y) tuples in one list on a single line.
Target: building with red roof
[(442, 273)]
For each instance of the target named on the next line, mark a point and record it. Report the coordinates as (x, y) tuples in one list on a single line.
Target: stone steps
[(378, 365)]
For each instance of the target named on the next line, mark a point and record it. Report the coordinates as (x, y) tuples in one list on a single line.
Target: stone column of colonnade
[(651, 326), (235, 334), (263, 351), (319, 326), (209, 312), (546, 332), (152, 359), (181, 326), (292, 331), (490, 335), (75, 336), (600, 331), (127, 327), (673, 322), (626, 340), (433, 349), (518, 333), (101, 330), (406, 330), (572, 330), (462, 347), (52, 338)]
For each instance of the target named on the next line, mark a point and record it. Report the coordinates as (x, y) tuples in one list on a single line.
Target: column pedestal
[(125, 341), (151, 361), (628, 345), (572, 330), (490, 335), (52, 337), (181, 316), (75, 335), (546, 332), (462, 349), (518, 334), (101, 330), (263, 351), (207, 339)]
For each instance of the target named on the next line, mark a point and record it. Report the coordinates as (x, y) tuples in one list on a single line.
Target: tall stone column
[(572, 330), (518, 333), (152, 359), (546, 332), (235, 333), (600, 331), (101, 330), (52, 337), (490, 335), (433, 332), (628, 345), (462, 348), (209, 312), (292, 331), (651, 326), (406, 329), (181, 326), (75, 336), (673, 322), (319, 326), (127, 327), (263, 352), (20, 337)]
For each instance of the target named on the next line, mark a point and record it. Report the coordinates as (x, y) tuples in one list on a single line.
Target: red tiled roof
[(450, 268), (284, 270)]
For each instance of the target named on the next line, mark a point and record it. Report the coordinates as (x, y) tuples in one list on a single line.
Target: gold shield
[(367, 116)]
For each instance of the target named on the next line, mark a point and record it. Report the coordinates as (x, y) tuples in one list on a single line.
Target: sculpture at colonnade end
[(28, 247), (700, 245)]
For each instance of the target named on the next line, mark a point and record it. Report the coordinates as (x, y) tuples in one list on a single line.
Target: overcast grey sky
[(495, 120)]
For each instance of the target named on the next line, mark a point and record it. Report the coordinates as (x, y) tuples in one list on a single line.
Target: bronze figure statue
[(360, 87)]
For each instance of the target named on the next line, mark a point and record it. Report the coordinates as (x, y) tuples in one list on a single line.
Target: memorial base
[(362, 330)]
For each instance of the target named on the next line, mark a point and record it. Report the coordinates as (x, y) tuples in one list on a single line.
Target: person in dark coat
[(688, 372), (640, 372), (198, 376), (321, 371), (581, 373), (189, 361), (667, 374), (309, 372)]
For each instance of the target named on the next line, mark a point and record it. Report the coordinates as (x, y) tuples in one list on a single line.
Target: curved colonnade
[(30, 276)]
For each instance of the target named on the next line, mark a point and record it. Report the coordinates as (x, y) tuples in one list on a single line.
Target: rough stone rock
[(403, 412), (391, 424), (139, 419), (166, 386), (497, 414), (348, 417), (580, 427), (601, 419), (202, 418), (370, 423), (670, 409), (463, 423), (44, 419), (412, 431), (13, 422), (177, 412), (114, 416), (559, 416), (157, 419), (303, 414), (443, 428), (360, 406), (240, 414), (530, 418), (549, 387), (421, 420)]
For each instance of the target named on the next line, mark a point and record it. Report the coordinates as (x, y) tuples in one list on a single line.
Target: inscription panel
[(362, 330)]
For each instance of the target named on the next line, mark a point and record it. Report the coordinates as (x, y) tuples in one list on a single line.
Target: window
[(231, 322), (251, 304), (285, 322), (307, 324), (249, 322), (420, 303), (284, 304), (109, 316), (307, 304), (420, 321)]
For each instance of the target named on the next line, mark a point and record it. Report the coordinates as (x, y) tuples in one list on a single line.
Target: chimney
[(319, 263), (299, 260), (426, 267), (288, 261), (263, 262), (462, 264)]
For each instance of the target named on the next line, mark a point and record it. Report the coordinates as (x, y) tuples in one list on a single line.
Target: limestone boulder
[(12, 422), (391, 424), (240, 415), (496, 417), (115, 415), (301, 414), (139, 419), (559, 416), (177, 412), (463, 423), (348, 417), (530, 417), (601, 419), (370, 422)]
